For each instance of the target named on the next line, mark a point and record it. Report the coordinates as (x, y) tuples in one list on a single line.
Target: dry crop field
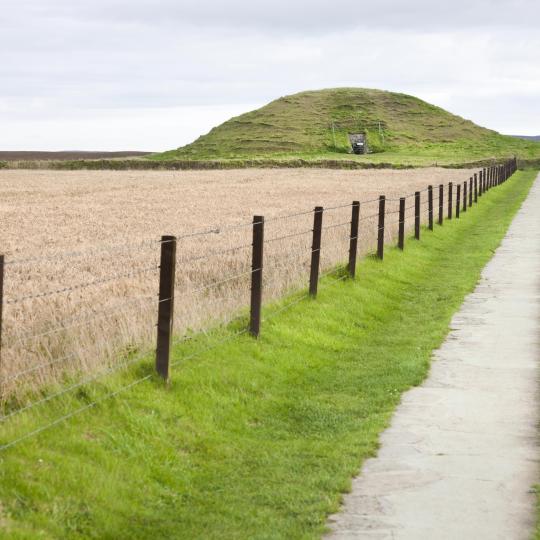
[(82, 253)]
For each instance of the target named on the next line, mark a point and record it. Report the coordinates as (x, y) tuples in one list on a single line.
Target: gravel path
[(460, 457)]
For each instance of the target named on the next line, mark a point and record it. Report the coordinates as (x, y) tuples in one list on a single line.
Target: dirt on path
[(461, 456)]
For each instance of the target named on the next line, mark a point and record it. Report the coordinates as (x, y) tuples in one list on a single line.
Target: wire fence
[(311, 247)]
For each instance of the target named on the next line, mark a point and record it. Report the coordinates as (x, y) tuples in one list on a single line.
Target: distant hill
[(315, 124), (9, 155), (527, 137)]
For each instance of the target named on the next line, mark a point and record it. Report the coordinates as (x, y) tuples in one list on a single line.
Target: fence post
[(417, 215), (167, 269), (458, 199), (430, 207), (353, 243), (257, 259), (441, 203), (465, 196), (476, 188), (450, 200), (480, 184), (315, 251), (401, 233), (470, 191), (380, 228)]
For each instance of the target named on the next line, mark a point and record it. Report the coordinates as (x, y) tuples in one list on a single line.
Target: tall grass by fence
[(392, 213)]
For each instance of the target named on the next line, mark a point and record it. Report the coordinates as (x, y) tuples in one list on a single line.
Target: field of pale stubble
[(82, 253)]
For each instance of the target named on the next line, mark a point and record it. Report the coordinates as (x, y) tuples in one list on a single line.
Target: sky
[(155, 74)]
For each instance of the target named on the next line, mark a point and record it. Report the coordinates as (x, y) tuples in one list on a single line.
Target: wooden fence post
[(458, 199), (417, 215), (441, 203), (401, 233), (480, 184), (315, 251), (257, 260), (353, 243), (380, 227), (470, 191), (430, 207), (450, 200), (475, 188), (167, 270), (465, 196)]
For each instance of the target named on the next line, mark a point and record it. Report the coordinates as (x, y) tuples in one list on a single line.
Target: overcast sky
[(155, 74)]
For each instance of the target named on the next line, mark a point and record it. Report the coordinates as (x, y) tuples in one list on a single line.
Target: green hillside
[(316, 124)]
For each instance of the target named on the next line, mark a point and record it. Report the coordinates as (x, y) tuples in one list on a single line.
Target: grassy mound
[(252, 439), (316, 124)]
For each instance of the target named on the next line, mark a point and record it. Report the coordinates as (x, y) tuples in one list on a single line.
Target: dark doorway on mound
[(358, 143)]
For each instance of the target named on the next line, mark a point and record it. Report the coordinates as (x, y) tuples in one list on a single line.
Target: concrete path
[(461, 455)]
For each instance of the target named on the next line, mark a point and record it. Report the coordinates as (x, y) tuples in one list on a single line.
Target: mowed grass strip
[(254, 439)]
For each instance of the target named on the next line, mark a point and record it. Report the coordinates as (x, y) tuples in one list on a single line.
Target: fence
[(389, 215)]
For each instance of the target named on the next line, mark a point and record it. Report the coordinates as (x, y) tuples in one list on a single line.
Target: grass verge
[(253, 439)]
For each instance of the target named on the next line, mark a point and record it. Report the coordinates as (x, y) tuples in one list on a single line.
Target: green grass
[(402, 130), (254, 439)]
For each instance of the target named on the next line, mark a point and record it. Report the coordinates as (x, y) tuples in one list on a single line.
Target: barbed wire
[(284, 237), (294, 256), (211, 254), (336, 225), (363, 218), (80, 286), (74, 386), (77, 321), (225, 280), (287, 306), (118, 248), (338, 207), (65, 417), (212, 347), (38, 367)]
